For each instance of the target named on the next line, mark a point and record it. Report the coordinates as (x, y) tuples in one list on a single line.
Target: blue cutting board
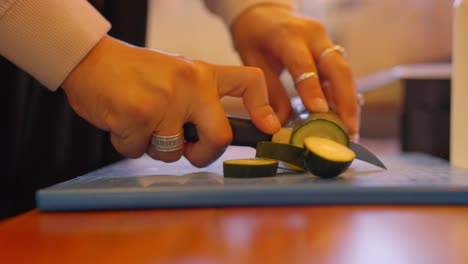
[(411, 178)]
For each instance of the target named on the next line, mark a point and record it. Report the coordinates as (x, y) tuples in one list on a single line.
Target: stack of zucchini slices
[(318, 144)]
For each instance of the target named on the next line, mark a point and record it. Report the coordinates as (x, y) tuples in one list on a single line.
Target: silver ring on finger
[(335, 48), (305, 76), (168, 143)]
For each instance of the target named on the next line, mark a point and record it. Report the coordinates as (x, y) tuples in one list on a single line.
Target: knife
[(245, 133)]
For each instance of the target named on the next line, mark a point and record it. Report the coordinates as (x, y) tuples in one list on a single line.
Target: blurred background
[(377, 35)]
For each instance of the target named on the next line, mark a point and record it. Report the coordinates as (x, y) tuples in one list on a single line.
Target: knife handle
[(245, 133)]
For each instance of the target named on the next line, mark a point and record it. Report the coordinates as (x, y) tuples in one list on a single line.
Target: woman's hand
[(135, 92), (272, 38)]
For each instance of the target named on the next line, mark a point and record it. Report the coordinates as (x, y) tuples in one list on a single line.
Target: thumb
[(249, 83)]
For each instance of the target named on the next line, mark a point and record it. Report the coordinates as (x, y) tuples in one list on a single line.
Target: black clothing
[(44, 140)]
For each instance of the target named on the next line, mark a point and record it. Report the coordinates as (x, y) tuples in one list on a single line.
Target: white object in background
[(459, 92)]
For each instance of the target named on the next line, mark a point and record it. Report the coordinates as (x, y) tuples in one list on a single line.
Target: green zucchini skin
[(330, 116), (326, 158), (318, 128), (322, 167), (286, 153), (237, 169)]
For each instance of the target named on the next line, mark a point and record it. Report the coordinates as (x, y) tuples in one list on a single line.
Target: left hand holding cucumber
[(302, 46)]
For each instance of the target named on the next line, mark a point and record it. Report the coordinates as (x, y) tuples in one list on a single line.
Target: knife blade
[(245, 133)]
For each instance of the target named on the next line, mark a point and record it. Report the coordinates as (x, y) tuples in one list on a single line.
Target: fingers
[(200, 105), (298, 43), (214, 135), (132, 146), (277, 94), (130, 128), (328, 91), (167, 141), (336, 71), (214, 130), (339, 86), (300, 53), (298, 60), (249, 83)]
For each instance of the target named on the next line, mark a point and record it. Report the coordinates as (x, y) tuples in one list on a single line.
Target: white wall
[(377, 34), (186, 27)]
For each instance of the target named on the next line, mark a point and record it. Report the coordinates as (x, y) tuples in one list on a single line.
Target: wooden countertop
[(328, 234), (306, 234)]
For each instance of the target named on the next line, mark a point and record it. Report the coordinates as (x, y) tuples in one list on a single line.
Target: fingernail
[(355, 137), (319, 105)]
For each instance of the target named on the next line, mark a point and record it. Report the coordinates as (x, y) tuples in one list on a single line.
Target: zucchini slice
[(327, 158), (330, 116), (291, 156), (250, 168), (318, 128), (282, 136)]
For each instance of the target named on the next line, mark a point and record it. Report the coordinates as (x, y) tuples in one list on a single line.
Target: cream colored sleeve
[(49, 38), (230, 9)]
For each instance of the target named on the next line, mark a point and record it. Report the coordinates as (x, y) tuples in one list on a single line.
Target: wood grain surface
[(329, 234)]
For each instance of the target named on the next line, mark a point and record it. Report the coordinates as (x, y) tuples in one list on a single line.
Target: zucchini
[(325, 157), (291, 156), (282, 136), (250, 168), (330, 116), (318, 128)]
